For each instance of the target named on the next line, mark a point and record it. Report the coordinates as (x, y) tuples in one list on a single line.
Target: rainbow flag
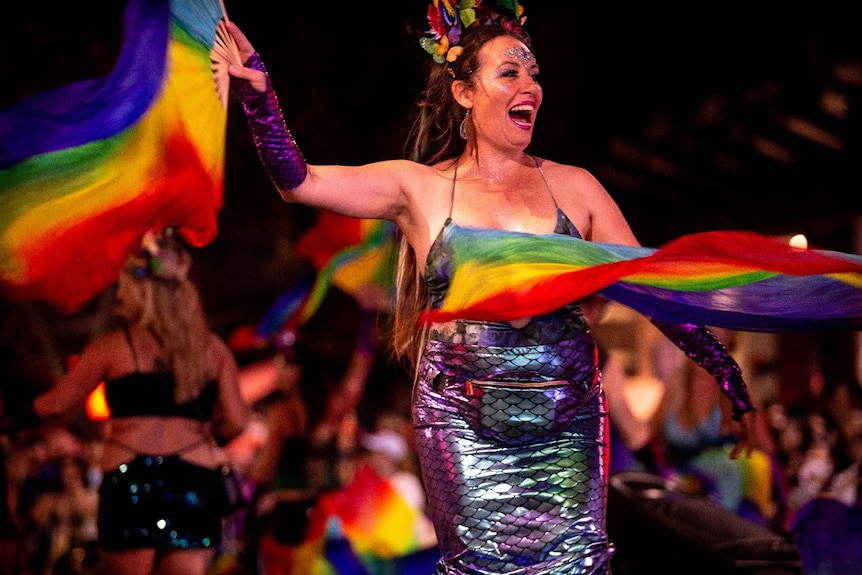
[(350, 253), (369, 526), (87, 168), (364, 528), (285, 311), (732, 279)]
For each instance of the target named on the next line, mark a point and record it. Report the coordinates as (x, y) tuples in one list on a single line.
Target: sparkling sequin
[(516, 476), (522, 55), (276, 147), (161, 502)]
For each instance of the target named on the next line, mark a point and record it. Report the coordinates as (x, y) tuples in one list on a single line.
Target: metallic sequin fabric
[(161, 502), (516, 475), (516, 480), (708, 352), (275, 145)]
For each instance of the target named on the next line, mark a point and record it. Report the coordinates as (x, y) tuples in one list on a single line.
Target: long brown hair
[(434, 137)]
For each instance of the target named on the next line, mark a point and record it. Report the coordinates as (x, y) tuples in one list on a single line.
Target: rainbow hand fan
[(736, 280), (86, 169)]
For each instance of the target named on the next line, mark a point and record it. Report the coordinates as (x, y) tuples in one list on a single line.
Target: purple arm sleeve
[(275, 145), (703, 347)]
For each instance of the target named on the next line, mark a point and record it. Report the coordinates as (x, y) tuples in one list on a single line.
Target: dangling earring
[(462, 131)]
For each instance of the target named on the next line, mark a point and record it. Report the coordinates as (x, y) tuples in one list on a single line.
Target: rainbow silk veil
[(87, 168), (733, 279)]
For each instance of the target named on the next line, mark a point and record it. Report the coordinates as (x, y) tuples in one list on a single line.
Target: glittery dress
[(516, 474)]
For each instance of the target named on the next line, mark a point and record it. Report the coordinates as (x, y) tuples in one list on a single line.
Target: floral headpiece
[(449, 18), (160, 256)]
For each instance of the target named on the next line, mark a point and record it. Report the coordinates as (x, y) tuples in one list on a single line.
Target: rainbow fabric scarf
[(87, 168), (737, 280), (364, 528)]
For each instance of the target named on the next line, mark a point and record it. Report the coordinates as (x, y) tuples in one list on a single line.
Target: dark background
[(693, 116)]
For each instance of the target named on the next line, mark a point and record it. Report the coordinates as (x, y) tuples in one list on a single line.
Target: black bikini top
[(152, 393)]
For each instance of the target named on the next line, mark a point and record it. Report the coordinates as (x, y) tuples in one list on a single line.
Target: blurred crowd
[(328, 446), (330, 439)]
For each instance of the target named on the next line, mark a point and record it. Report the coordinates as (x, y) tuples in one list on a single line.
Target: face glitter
[(520, 54)]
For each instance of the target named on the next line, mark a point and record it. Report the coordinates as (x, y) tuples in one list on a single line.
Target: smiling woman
[(663, 115), (632, 97), (509, 411)]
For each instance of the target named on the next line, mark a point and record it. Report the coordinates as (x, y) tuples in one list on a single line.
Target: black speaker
[(657, 528)]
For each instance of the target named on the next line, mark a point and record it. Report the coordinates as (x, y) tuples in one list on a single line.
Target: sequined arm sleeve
[(703, 347), (275, 145)]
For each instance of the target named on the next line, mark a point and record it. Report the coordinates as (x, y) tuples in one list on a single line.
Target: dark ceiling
[(734, 115)]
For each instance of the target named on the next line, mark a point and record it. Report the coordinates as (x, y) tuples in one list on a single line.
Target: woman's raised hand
[(257, 78)]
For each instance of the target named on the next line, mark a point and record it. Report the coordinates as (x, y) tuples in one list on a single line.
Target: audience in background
[(309, 448), (813, 496), (172, 389)]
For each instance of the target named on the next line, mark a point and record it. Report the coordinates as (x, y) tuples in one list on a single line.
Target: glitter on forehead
[(521, 54)]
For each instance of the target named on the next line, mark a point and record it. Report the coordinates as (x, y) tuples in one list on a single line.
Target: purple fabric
[(701, 345), (828, 535), (276, 147), (97, 109)]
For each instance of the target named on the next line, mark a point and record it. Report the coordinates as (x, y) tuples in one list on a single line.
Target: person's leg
[(186, 562), (127, 562)]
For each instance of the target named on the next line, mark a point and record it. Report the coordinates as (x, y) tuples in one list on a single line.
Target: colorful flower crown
[(160, 256), (449, 18)]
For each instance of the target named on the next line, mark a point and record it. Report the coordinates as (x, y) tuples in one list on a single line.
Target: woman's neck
[(492, 166)]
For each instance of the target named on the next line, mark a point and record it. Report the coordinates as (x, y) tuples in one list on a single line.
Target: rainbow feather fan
[(737, 280), (87, 168)]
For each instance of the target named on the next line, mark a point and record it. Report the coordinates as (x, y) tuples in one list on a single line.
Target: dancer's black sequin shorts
[(162, 502)]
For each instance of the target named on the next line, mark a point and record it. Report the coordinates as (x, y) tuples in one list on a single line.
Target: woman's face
[(507, 94)]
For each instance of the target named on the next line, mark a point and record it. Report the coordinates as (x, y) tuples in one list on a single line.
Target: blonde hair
[(170, 308)]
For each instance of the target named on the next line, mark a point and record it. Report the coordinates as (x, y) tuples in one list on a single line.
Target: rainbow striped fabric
[(732, 279), (87, 168), (348, 253), (366, 527), (351, 254)]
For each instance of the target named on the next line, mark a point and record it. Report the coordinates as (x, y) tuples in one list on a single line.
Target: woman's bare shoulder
[(426, 187), (406, 168), (108, 342), (417, 173), (578, 174)]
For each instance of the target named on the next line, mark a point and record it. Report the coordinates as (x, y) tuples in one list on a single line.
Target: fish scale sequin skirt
[(515, 475)]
